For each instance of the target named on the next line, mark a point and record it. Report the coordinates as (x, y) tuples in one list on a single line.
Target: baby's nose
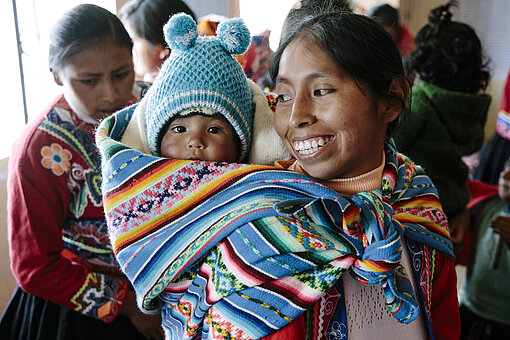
[(195, 142)]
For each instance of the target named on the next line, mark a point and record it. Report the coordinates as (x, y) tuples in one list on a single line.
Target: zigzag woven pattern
[(239, 251)]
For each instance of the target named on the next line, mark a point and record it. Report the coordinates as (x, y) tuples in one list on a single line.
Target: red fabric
[(38, 204), (444, 309), (295, 331), (405, 42), (505, 98), (480, 191)]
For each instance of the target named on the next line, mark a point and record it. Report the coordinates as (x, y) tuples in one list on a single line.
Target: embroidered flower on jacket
[(56, 158)]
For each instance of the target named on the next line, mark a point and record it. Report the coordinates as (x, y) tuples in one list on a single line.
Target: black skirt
[(492, 159), (28, 317)]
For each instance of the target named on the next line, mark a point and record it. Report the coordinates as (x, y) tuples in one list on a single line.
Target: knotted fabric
[(240, 251)]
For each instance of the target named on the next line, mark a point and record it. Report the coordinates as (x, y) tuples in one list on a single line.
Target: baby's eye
[(321, 92), (214, 129), (282, 98), (179, 129)]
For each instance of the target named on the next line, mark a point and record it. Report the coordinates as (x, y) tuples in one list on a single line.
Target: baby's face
[(200, 138)]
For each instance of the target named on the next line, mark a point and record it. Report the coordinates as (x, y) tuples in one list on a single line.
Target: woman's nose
[(302, 113), (110, 92)]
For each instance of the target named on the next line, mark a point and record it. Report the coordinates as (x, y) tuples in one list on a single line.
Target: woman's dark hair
[(80, 27), (147, 17), (309, 9), (356, 43), (449, 54)]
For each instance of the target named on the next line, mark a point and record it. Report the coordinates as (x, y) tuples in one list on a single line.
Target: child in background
[(448, 112), (388, 17), (484, 298), (492, 157)]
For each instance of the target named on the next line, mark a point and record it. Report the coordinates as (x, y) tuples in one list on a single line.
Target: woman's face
[(148, 57), (99, 80), (332, 128)]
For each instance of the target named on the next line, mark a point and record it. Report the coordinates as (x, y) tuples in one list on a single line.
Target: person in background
[(448, 112), (491, 159), (70, 285), (484, 298), (144, 20), (256, 60), (388, 17)]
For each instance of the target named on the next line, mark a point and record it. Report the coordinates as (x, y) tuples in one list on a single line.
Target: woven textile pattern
[(239, 251)]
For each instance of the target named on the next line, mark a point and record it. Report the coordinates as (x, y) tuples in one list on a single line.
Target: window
[(35, 19)]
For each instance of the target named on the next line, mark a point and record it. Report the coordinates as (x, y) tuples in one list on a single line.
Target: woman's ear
[(163, 52), (390, 108), (56, 78)]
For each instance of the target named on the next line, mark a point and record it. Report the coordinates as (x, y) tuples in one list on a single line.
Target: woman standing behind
[(448, 113), (70, 284), (144, 20)]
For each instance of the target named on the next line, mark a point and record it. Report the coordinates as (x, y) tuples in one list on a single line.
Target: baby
[(200, 105)]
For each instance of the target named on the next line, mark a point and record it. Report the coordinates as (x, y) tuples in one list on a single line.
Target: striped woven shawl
[(239, 251)]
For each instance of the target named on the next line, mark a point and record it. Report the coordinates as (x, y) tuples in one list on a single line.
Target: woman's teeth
[(310, 146)]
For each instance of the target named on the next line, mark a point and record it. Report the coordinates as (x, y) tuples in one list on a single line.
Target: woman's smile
[(326, 121), (311, 145)]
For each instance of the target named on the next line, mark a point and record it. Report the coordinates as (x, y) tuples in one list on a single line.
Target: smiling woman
[(341, 88)]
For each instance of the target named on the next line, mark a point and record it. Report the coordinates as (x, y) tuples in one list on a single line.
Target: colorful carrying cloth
[(239, 251)]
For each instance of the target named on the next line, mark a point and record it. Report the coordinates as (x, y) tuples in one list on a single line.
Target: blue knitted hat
[(202, 73)]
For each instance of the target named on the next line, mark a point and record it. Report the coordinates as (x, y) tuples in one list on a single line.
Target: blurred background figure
[(492, 157), (144, 20), (255, 61), (448, 110), (388, 17), (484, 298)]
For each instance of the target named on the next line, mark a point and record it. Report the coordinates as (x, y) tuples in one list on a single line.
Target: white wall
[(7, 282)]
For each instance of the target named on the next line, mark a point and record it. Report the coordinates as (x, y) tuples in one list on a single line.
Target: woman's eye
[(90, 82), (321, 92), (282, 98), (122, 75), (179, 129), (214, 130)]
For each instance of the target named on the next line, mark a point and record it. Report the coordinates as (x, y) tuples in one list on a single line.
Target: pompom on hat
[(202, 73)]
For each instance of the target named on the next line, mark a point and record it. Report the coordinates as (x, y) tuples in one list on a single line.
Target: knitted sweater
[(442, 127)]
